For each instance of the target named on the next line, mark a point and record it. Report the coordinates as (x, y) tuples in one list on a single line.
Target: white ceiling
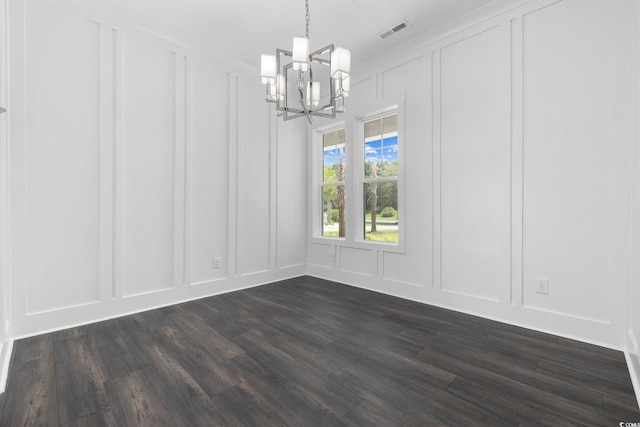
[(245, 29)]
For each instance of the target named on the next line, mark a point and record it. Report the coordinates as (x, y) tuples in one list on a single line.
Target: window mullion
[(332, 184), (379, 179)]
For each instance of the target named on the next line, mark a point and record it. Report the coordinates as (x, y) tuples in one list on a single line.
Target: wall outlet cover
[(542, 286)]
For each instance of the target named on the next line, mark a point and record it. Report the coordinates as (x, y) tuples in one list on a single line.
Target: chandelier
[(293, 79)]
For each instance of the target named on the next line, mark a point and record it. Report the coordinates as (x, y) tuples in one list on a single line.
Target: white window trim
[(317, 181), (353, 123), (378, 109)]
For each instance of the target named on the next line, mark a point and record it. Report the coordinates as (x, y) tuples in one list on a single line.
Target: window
[(333, 184), (380, 179), (358, 184)]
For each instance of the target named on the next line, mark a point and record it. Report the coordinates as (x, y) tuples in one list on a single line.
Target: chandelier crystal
[(291, 85)]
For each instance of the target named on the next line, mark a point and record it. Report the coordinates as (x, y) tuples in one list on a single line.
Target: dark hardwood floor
[(307, 352)]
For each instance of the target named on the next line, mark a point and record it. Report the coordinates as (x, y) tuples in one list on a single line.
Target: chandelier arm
[(321, 61), (306, 112), (309, 118), (304, 107)]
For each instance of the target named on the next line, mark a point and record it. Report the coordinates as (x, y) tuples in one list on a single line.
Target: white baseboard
[(581, 329), (70, 317), (5, 363), (633, 364)]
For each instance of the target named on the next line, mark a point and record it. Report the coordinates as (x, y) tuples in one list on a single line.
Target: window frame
[(353, 124), (382, 108), (318, 183), (336, 184)]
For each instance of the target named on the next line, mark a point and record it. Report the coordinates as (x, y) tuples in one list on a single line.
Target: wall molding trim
[(5, 219), (5, 363)]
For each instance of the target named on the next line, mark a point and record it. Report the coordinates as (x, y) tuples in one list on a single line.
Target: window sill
[(359, 244)]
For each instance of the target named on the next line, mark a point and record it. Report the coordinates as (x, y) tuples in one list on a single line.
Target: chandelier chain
[(307, 19)]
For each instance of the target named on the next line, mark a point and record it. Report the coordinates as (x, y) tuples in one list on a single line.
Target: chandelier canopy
[(293, 78)]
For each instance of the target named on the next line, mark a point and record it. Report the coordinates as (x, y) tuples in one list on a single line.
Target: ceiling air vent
[(391, 31)]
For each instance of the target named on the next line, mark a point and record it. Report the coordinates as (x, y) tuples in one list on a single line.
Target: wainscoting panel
[(148, 166), (62, 158), (363, 262), (471, 164), (410, 77), (290, 197), (567, 169), (254, 178), (319, 255), (208, 163)]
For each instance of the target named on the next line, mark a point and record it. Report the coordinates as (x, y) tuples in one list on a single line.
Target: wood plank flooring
[(308, 352)]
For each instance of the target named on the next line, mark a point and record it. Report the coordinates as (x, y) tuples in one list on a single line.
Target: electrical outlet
[(542, 286), (217, 261)]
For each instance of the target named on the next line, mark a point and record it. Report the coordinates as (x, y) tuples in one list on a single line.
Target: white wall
[(135, 161), (518, 167), (633, 292), (5, 337)]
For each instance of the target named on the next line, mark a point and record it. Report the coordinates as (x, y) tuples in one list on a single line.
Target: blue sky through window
[(333, 154), (380, 150)]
